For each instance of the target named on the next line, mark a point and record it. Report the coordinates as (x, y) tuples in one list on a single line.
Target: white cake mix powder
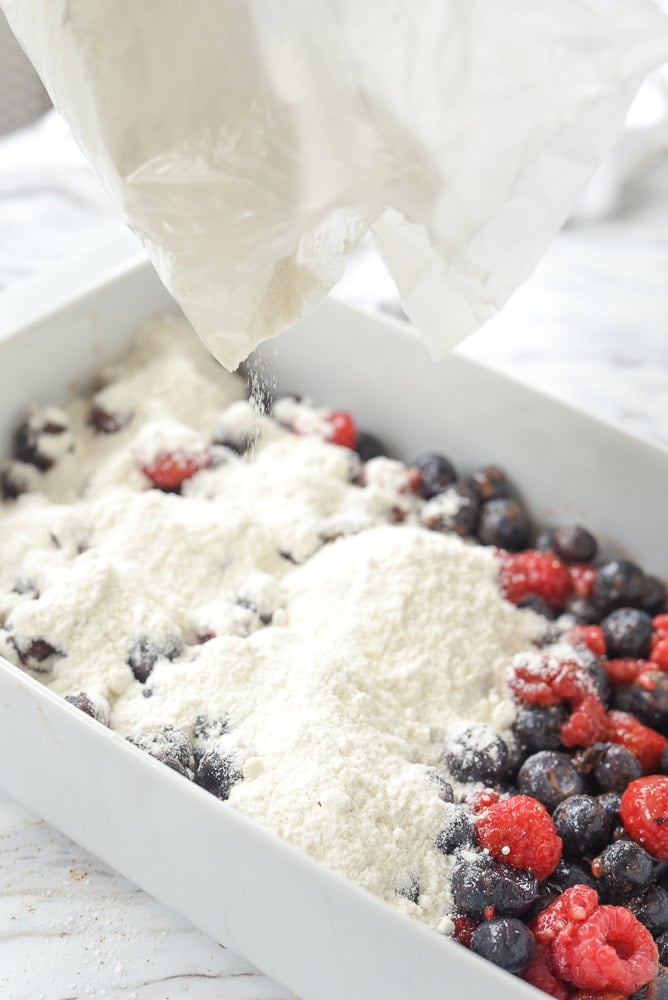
[(339, 666)]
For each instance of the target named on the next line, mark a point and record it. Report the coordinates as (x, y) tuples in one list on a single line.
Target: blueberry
[(239, 443), (623, 869), (458, 832), (649, 701), (490, 483), (368, 446), (506, 941), (611, 802), (476, 754), (445, 791), (545, 541), (628, 633), (35, 436), (479, 882), (539, 728), (662, 945), (85, 704), (651, 909), (37, 655), (13, 480), (616, 768), (207, 730), (584, 611), (455, 509), (145, 652), (655, 989), (547, 894), (655, 596), (567, 874), (411, 891), (106, 421), (583, 825), (167, 744), (504, 523), (550, 777), (539, 606), (436, 473), (595, 671), (617, 583), (216, 772), (573, 543)]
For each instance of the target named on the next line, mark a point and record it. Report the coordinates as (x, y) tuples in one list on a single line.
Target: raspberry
[(169, 470), (464, 928), (479, 801), (343, 430), (623, 671), (644, 812), (645, 743), (520, 832), (598, 995), (541, 975), (549, 681), (590, 636), (540, 574), (573, 906), (609, 949), (659, 654), (587, 725), (660, 623), (583, 576)]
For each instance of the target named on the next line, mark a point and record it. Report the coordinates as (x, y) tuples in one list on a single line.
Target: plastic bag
[(251, 144)]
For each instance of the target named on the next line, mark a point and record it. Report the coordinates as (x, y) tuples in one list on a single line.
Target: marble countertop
[(591, 327)]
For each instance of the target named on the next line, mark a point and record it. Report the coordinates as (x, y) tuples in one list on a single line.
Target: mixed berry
[(558, 833)]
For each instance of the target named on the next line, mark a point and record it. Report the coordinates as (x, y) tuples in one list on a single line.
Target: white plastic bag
[(251, 144)]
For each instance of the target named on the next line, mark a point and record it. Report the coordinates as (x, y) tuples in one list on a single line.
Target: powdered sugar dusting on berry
[(338, 667)]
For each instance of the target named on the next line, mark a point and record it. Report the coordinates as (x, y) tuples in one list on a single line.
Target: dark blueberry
[(240, 444), (583, 825), (655, 596), (585, 612), (167, 744), (31, 437), (206, 730), (85, 704), (623, 869), (617, 768), (504, 523), (479, 882), (445, 791), (144, 654), (12, 481), (216, 772), (36, 655), (649, 701), (651, 909), (628, 633), (595, 671), (368, 446), (573, 543), (506, 941), (106, 421), (459, 832), (547, 895), (539, 606), (490, 483), (545, 541), (662, 945), (455, 509), (567, 874), (611, 802), (436, 473), (656, 988), (476, 754), (411, 891), (619, 582), (539, 728), (550, 777)]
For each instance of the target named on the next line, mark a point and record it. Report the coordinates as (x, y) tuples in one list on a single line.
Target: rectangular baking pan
[(303, 925)]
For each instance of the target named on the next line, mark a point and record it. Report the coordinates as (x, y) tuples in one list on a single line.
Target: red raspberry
[(645, 743), (610, 949), (541, 975), (591, 636), (588, 724), (659, 654), (644, 812), (598, 995), (583, 576), (479, 801), (343, 430), (622, 671), (169, 470), (571, 907), (464, 928), (547, 681), (520, 832), (660, 623), (540, 574)]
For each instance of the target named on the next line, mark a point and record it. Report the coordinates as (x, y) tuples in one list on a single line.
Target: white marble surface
[(591, 327)]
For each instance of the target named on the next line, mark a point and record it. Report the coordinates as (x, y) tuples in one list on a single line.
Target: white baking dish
[(303, 925)]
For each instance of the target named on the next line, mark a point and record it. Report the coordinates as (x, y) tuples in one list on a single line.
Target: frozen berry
[(583, 575), (98, 709), (618, 583), (655, 989), (539, 606), (169, 470), (207, 730), (616, 768), (480, 883), (458, 832), (574, 544), (167, 744), (654, 596), (662, 945), (490, 483), (659, 654), (550, 777), (453, 510), (644, 812), (539, 728), (651, 909), (628, 632), (520, 832), (37, 654), (506, 942), (567, 874), (145, 652), (476, 754), (436, 473), (623, 869), (107, 421), (445, 790), (591, 636), (368, 446), (583, 825), (646, 698), (504, 523), (583, 610), (587, 724), (539, 573), (342, 429), (541, 975), (43, 437), (611, 802), (216, 772), (15, 479), (411, 891), (644, 742)]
